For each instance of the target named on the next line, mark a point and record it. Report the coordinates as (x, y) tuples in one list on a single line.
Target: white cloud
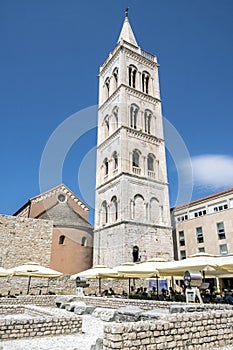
[(213, 171)]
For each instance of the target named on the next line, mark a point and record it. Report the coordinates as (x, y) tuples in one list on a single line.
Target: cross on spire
[(126, 31)]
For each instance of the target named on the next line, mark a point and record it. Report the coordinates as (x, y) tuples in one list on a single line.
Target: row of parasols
[(210, 266)]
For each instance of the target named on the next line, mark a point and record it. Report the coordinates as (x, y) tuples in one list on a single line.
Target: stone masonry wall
[(115, 303), (39, 300), (41, 323), (189, 331), (23, 240)]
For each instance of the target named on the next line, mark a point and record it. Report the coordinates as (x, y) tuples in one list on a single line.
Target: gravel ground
[(92, 329)]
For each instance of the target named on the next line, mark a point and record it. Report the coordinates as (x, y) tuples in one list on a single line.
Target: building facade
[(71, 247), (132, 217), (204, 225)]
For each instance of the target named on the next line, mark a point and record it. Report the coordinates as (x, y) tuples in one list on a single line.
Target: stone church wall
[(23, 240)]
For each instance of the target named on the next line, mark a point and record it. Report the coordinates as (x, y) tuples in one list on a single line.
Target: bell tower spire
[(127, 32)]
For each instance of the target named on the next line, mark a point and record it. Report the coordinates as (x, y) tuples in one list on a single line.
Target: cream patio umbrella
[(96, 272), (135, 270), (204, 262), (138, 270), (225, 263), (33, 269), (146, 269)]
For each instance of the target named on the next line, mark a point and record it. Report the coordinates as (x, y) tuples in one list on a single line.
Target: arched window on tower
[(104, 212), (145, 82), (115, 118), (133, 115), (105, 166), (115, 77), (151, 165), (147, 118), (139, 213), (132, 76), (136, 157), (106, 125), (150, 162), (114, 208), (115, 161), (154, 211), (107, 86)]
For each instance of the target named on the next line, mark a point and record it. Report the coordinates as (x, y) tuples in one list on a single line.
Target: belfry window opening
[(115, 160), (115, 114), (114, 208), (132, 76), (106, 124), (107, 84), (136, 159), (145, 82), (105, 166), (105, 212), (115, 75), (133, 116), (150, 162), (148, 116)]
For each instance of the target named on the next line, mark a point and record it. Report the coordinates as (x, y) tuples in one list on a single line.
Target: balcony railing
[(151, 174), (136, 170)]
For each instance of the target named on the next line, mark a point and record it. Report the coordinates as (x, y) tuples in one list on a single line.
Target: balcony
[(151, 174), (136, 170)]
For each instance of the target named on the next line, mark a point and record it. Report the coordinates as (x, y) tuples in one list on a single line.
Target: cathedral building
[(132, 216), (70, 247)]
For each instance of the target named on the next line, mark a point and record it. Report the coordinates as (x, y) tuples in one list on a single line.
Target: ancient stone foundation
[(128, 324), (18, 321), (183, 331)]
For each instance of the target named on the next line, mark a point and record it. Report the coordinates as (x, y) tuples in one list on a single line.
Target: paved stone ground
[(92, 329)]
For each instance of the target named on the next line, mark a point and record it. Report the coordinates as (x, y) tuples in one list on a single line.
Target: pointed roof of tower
[(127, 32)]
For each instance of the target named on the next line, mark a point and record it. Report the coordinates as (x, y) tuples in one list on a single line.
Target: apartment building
[(204, 225)]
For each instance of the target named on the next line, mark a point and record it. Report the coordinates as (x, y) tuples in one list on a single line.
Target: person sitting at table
[(144, 293)]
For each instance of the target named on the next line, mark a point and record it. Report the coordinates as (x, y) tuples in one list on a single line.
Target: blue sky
[(49, 61)]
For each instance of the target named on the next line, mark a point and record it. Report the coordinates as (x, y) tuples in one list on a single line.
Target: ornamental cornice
[(140, 135), (111, 183), (141, 95), (133, 177), (132, 222), (133, 92), (141, 57), (110, 99), (58, 190), (109, 139)]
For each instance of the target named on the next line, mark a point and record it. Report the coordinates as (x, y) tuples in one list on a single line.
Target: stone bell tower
[(132, 216)]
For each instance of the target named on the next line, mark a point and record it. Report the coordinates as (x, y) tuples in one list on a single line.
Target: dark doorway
[(135, 253)]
